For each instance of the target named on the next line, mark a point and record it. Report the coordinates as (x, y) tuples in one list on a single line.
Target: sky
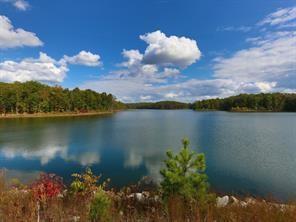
[(151, 50)]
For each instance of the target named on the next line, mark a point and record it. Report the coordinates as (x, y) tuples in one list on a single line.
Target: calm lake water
[(252, 153)]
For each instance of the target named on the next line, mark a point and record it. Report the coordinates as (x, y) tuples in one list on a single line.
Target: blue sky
[(151, 50)]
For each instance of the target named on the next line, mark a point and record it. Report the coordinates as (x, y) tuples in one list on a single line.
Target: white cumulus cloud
[(44, 69), (133, 66), (170, 72), (84, 58), (170, 50), (11, 37)]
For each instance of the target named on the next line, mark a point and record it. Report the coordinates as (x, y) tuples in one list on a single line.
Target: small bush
[(83, 190), (85, 183), (100, 206), (47, 187)]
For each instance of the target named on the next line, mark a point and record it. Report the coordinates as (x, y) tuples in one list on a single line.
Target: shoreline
[(50, 115)]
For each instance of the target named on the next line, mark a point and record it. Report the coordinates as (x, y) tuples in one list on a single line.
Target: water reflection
[(46, 143), (252, 153), (25, 177)]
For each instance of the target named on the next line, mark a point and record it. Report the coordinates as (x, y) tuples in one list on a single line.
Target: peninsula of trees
[(263, 102), (34, 97), (269, 102)]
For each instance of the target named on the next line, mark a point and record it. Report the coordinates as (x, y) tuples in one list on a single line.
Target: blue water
[(246, 153)]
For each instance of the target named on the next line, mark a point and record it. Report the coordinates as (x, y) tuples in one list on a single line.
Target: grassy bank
[(55, 114), (87, 200)]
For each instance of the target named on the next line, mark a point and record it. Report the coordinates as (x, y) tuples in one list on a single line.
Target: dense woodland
[(273, 102), (34, 97), (159, 105)]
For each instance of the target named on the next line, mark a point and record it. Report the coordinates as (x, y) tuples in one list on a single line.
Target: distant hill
[(159, 105)]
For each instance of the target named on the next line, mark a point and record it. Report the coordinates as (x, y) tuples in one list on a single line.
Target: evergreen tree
[(184, 175)]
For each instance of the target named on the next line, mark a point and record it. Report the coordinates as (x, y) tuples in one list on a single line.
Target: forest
[(34, 97), (269, 102)]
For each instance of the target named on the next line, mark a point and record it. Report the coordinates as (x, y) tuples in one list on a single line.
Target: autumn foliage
[(47, 186)]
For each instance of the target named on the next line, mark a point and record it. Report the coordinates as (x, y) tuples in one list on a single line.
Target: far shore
[(55, 114)]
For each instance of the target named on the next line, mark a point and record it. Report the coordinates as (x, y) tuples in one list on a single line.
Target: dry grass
[(259, 211), (17, 206)]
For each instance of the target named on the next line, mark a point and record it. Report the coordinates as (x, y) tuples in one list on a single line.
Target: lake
[(246, 153)]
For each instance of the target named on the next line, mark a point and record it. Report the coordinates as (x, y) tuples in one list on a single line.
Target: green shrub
[(85, 183), (100, 206), (184, 175)]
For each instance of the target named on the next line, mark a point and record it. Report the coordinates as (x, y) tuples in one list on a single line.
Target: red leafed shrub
[(47, 186)]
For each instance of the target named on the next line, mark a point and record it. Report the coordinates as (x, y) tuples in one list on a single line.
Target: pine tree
[(184, 175)]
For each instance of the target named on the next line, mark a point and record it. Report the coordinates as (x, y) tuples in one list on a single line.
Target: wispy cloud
[(270, 60), (281, 17), (19, 4), (235, 29)]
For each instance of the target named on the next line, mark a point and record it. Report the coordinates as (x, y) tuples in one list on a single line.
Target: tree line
[(159, 105), (35, 97), (273, 102)]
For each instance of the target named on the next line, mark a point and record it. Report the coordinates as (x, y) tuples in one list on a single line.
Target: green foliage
[(184, 175), (85, 183), (100, 206), (275, 102), (92, 201), (34, 97)]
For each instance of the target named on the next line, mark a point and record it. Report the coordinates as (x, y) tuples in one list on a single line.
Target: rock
[(76, 218), (222, 201), (250, 201), (139, 197), (156, 198), (131, 196), (146, 194), (234, 200), (243, 203)]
